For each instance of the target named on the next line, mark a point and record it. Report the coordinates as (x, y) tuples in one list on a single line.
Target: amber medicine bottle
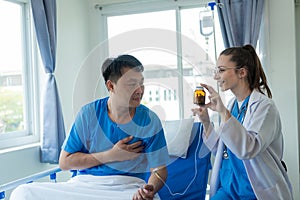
[(199, 96)]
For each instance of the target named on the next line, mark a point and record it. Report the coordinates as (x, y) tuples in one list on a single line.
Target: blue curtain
[(44, 15), (240, 21)]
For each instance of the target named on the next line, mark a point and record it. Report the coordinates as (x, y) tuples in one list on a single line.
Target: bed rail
[(11, 185)]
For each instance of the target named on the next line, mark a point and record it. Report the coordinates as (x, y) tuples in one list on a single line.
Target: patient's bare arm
[(121, 151), (155, 182)]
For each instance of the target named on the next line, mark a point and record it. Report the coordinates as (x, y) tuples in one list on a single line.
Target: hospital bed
[(187, 176)]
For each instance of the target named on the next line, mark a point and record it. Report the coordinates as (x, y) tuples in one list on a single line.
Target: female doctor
[(249, 144)]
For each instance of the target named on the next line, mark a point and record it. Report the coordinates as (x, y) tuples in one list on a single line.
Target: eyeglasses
[(221, 69)]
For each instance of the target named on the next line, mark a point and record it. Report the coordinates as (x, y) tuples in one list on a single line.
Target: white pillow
[(178, 134)]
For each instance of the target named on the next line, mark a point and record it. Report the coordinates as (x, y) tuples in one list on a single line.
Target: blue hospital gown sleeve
[(157, 153), (74, 143)]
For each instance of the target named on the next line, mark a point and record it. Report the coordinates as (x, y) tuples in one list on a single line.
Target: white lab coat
[(259, 143)]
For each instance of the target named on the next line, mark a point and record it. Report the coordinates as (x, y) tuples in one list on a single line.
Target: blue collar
[(239, 114)]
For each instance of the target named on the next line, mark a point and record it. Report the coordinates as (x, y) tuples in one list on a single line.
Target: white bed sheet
[(81, 187)]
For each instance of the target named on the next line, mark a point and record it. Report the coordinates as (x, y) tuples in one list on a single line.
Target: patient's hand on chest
[(123, 150)]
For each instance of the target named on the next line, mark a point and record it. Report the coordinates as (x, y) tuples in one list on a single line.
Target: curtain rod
[(211, 4)]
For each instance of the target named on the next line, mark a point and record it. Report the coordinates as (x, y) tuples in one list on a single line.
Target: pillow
[(177, 134)]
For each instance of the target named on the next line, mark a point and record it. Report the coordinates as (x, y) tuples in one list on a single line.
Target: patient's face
[(130, 88)]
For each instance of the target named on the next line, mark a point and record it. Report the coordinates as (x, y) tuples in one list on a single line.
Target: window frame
[(30, 84), (139, 7)]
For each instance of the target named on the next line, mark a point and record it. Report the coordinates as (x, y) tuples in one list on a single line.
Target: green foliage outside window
[(11, 110)]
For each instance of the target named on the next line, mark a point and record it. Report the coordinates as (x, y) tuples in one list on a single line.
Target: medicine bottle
[(199, 96)]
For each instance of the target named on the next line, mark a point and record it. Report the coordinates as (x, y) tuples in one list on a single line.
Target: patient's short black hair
[(112, 67)]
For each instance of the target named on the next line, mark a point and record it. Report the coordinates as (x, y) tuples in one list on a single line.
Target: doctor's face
[(226, 73), (129, 89)]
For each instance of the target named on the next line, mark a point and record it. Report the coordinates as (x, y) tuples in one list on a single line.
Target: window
[(176, 44), (18, 99)]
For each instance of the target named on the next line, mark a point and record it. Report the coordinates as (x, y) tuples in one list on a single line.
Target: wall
[(297, 25), (282, 77), (72, 50), (297, 13), (20, 163)]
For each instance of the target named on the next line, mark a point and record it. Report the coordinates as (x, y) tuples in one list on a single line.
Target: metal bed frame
[(29, 179)]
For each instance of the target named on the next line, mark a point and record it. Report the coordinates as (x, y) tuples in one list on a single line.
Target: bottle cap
[(199, 87)]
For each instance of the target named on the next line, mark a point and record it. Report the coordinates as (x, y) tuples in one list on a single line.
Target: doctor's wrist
[(225, 115)]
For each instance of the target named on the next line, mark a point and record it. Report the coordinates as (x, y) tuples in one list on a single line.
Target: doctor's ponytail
[(260, 81)]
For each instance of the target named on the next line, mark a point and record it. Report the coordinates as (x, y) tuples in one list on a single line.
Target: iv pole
[(212, 6)]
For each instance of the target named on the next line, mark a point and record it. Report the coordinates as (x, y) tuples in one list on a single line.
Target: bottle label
[(199, 97)]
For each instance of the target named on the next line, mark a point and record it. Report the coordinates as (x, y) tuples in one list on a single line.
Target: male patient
[(117, 135), (112, 144)]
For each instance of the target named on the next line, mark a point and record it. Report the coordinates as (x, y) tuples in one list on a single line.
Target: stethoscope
[(243, 113)]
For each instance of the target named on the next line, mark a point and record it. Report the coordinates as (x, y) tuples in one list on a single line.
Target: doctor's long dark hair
[(246, 57)]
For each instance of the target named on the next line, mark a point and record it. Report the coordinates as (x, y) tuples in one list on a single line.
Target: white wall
[(77, 36), (72, 49), (282, 77), (298, 59), (18, 164), (298, 74)]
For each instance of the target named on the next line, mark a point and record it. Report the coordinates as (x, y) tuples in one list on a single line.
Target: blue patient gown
[(234, 181), (93, 131)]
